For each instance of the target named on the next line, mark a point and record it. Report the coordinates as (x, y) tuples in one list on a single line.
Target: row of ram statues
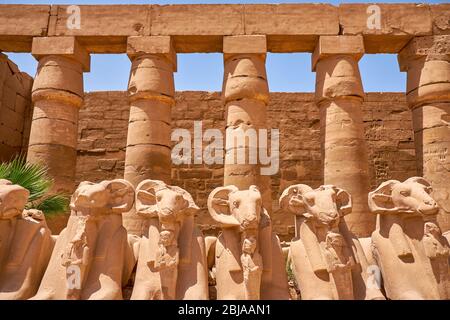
[(94, 257)]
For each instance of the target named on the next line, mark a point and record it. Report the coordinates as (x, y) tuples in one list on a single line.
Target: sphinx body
[(92, 258), (25, 244), (171, 257), (408, 244), (246, 256), (319, 255)]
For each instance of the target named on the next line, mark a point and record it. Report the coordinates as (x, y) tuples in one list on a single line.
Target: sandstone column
[(151, 96), (427, 63), (245, 94), (57, 95), (339, 96)]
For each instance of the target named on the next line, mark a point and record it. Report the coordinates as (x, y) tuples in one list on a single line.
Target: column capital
[(424, 47), (160, 45), (65, 46), (244, 44), (337, 45)]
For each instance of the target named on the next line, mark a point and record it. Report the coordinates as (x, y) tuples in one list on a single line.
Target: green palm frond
[(34, 177), (53, 204), (29, 175)]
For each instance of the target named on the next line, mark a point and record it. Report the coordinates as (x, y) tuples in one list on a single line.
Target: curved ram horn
[(380, 200), (146, 204), (218, 206), (288, 193), (122, 195), (343, 201)]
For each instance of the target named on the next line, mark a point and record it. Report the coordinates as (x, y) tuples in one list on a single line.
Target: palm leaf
[(31, 176), (4, 169), (53, 204), (34, 178)]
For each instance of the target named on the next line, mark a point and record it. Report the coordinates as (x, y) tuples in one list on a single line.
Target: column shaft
[(151, 96), (245, 94), (427, 62), (57, 95), (339, 96)]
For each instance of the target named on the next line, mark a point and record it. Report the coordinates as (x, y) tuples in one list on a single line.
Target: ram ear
[(343, 201), (291, 199), (219, 207), (380, 200), (146, 202), (121, 195)]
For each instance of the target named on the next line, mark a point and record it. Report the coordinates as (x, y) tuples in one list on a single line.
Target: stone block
[(254, 44), (67, 47), (398, 23), (197, 20), (291, 27), (338, 45), (20, 23), (161, 45)]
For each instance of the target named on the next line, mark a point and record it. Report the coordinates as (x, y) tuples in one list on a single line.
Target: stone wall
[(103, 131), (15, 111)]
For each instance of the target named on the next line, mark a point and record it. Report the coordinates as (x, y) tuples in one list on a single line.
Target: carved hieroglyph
[(408, 244), (320, 257), (172, 258), (248, 260), (25, 244), (92, 258)]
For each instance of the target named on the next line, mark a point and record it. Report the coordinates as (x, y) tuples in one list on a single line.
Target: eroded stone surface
[(92, 258), (248, 261), (172, 258), (427, 63), (321, 256), (151, 35), (408, 240), (25, 244)]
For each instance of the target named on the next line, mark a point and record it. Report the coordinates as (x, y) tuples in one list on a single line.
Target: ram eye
[(428, 190), (404, 193), (235, 204)]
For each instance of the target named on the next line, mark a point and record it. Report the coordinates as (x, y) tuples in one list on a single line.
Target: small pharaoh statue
[(433, 241), (336, 255), (436, 249), (166, 262), (76, 255), (251, 266), (339, 264)]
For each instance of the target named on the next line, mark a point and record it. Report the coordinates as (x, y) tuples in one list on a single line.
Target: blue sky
[(286, 72)]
